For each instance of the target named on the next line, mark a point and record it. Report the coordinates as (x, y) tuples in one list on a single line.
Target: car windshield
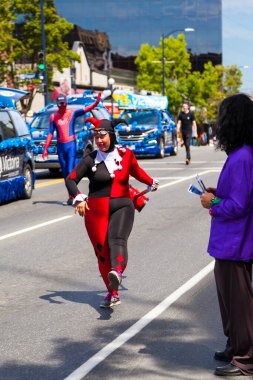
[(101, 113), (141, 117), (42, 121)]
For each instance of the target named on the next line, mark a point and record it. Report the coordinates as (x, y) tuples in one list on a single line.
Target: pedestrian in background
[(231, 235), (187, 127)]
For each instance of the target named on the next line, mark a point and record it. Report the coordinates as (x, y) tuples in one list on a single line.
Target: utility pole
[(163, 67), (43, 37)]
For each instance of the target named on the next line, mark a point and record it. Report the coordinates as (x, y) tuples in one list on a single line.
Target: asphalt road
[(168, 325)]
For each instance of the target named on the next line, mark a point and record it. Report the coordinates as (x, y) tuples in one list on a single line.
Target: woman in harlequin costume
[(63, 122), (108, 209)]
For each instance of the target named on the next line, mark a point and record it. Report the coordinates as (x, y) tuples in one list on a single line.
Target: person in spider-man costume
[(108, 209), (63, 122)]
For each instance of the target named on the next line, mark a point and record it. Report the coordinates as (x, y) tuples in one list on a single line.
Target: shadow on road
[(48, 202), (177, 345)]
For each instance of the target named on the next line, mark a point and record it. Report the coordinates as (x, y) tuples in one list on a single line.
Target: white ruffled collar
[(112, 161)]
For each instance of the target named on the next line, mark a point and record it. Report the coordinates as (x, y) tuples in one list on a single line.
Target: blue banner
[(133, 101)]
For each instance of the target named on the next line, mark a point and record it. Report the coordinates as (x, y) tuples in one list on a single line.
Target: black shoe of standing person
[(228, 370), (69, 202), (222, 356)]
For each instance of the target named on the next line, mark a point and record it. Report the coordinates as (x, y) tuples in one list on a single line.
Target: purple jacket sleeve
[(238, 201)]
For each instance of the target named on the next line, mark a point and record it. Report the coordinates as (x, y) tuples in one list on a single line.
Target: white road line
[(149, 162), (188, 168), (163, 178), (185, 178), (101, 355), (35, 227), (19, 232)]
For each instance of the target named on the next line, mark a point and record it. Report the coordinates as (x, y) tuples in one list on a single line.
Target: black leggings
[(121, 219)]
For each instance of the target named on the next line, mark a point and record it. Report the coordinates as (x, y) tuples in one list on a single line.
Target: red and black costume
[(110, 217)]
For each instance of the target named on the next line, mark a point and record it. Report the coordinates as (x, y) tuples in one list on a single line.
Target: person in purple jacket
[(231, 235)]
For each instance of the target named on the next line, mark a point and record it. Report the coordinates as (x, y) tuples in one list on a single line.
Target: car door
[(11, 153)]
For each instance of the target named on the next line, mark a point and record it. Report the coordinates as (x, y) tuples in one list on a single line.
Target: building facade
[(134, 22)]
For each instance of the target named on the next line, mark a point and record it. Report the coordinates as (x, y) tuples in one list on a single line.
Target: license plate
[(39, 158)]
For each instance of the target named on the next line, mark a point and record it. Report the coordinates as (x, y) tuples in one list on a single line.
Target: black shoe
[(69, 202), (222, 356), (228, 370)]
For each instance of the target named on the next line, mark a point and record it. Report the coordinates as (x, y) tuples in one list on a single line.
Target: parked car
[(84, 136), (16, 150), (151, 129)]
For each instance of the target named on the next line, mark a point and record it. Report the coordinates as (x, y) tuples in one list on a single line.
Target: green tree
[(204, 90), (232, 80), (59, 55), (219, 82), (177, 67), (10, 46)]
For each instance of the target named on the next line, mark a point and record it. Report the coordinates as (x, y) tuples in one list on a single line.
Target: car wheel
[(161, 153), (175, 147), (28, 182)]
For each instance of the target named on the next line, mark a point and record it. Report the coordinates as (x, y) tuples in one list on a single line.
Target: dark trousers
[(187, 140), (121, 219), (235, 295)]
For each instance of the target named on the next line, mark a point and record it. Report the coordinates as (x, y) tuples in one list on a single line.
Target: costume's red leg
[(96, 222)]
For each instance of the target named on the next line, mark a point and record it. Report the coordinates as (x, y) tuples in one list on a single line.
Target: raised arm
[(91, 106)]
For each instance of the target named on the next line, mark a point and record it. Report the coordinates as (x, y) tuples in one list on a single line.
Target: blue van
[(151, 130), (84, 136), (16, 149)]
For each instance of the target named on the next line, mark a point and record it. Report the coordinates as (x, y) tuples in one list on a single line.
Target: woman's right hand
[(81, 207), (206, 198)]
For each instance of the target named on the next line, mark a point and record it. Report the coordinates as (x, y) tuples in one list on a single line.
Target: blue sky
[(238, 38)]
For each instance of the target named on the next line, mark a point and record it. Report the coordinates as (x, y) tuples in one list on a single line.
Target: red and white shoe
[(110, 301), (115, 278)]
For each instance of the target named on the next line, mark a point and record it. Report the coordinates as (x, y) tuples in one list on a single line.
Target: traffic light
[(41, 65)]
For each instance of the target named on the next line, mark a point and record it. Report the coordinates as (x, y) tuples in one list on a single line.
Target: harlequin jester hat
[(104, 124)]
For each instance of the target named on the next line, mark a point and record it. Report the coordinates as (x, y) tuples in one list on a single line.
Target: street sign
[(27, 76)]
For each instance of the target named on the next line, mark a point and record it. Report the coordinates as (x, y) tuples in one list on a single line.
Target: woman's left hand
[(154, 185), (205, 199), (81, 207)]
